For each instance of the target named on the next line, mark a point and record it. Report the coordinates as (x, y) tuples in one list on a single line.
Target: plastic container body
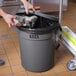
[(38, 43), (37, 51)]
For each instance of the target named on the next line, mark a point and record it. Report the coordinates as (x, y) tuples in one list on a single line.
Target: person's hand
[(29, 6), (9, 19)]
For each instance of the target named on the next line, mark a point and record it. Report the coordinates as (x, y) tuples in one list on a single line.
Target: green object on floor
[(70, 37)]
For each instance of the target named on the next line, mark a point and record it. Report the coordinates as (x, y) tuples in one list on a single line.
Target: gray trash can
[(38, 43)]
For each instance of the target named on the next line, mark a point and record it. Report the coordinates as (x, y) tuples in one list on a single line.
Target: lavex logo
[(35, 36)]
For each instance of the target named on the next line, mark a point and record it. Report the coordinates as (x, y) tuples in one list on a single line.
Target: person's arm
[(2, 12), (27, 5)]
